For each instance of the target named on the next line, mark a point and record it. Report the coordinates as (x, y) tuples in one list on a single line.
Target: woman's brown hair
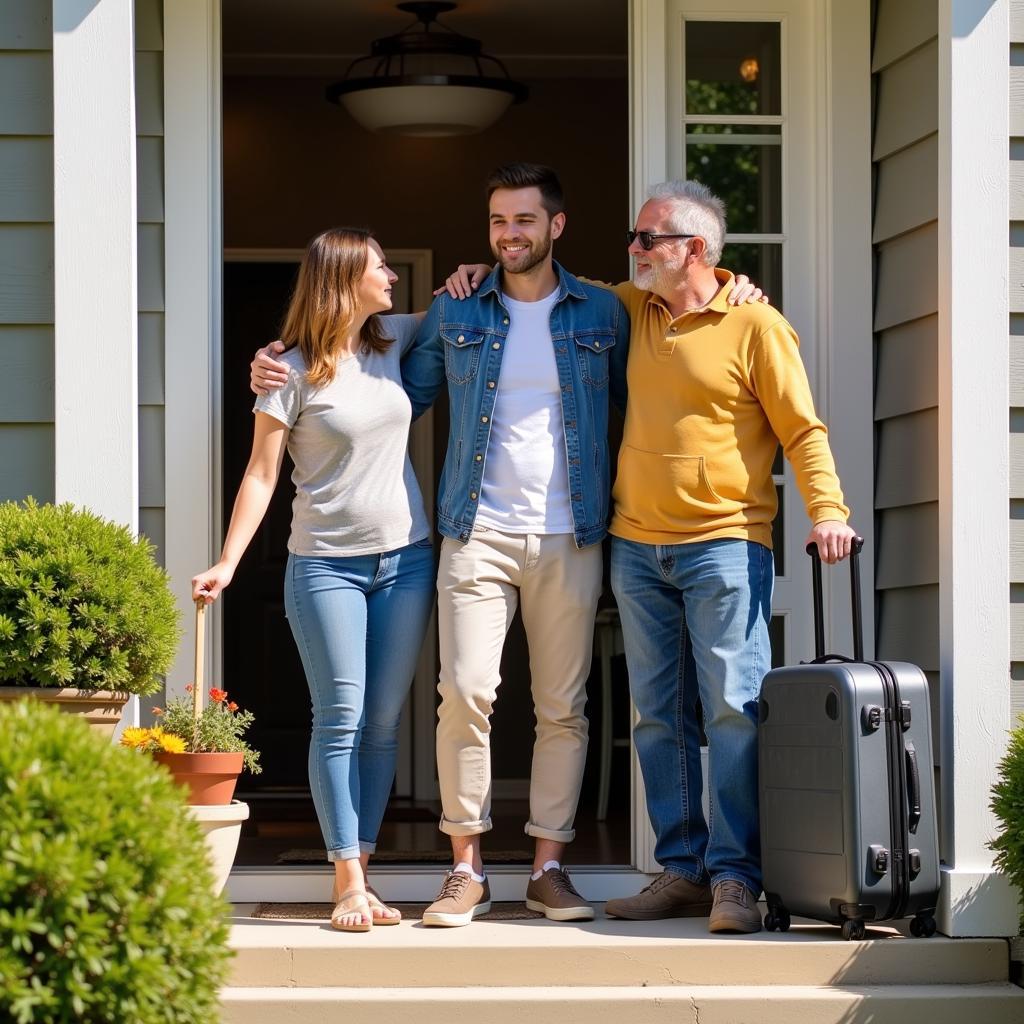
[(324, 303)]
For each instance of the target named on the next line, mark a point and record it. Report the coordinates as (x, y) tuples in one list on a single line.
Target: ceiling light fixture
[(427, 80)]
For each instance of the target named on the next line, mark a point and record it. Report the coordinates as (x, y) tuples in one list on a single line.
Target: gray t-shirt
[(355, 489)]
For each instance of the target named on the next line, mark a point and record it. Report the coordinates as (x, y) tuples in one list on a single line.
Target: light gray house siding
[(1016, 267), (26, 255), (905, 238), (149, 98), (26, 250)]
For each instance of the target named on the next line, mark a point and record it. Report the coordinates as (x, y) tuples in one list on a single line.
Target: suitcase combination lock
[(879, 859), (872, 717)]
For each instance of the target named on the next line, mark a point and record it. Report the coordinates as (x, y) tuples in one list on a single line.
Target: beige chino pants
[(479, 584)]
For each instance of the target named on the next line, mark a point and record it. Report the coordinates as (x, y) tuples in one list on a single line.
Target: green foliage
[(1008, 805), (220, 729), (106, 905), (82, 602)]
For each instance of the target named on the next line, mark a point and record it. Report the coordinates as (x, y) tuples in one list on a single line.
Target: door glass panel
[(777, 635), (778, 533), (733, 67), (762, 263), (747, 178)]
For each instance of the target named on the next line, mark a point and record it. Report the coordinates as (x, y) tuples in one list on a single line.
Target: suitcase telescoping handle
[(819, 612)]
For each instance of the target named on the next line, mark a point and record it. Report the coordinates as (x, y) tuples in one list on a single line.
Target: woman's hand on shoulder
[(465, 280), (744, 290), (266, 374)]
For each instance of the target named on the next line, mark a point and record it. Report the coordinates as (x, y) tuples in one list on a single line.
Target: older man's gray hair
[(696, 211)]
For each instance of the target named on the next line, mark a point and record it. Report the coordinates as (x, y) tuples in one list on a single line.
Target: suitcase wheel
[(777, 919), (853, 930), (922, 926)]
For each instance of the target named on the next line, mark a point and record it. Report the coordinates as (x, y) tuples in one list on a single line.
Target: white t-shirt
[(355, 489), (525, 488)]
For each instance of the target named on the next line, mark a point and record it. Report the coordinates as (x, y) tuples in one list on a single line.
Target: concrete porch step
[(661, 1004), (292, 955)]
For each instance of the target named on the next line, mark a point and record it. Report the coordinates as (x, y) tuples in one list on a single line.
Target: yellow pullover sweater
[(711, 395)]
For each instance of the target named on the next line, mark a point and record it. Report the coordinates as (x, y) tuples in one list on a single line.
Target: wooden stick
[(197, 679)]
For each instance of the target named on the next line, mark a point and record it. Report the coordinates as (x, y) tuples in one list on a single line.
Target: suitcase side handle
[(855, 600), (913, 788)]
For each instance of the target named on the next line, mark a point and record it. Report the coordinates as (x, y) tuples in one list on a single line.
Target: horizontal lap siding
[(150, 160), (905, 236), (1016, 271), (26, 250)]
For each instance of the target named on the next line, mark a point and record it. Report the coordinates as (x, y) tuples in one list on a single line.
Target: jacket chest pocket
[(462, 348), (592, 348)]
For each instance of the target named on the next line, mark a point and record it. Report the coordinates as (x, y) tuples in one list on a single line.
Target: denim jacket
[(464, 340)]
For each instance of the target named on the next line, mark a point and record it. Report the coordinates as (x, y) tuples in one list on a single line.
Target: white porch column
[(973, 456), (192, 233), (95, 283)]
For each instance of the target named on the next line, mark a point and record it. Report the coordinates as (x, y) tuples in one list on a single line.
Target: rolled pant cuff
[(367, 847), (348, 853), (464, 828), (557, 835)]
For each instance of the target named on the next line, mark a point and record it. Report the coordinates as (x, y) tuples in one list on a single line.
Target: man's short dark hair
[(522, 175)]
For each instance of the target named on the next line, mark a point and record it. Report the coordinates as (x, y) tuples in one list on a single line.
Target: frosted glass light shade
[(426, 110)]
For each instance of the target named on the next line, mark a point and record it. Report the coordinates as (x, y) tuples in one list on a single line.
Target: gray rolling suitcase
[(848, 830)]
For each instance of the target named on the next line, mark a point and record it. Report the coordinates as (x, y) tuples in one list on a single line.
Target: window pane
[(779, 532), (762, 263), (732, 67), (747, 178), (777, 636)]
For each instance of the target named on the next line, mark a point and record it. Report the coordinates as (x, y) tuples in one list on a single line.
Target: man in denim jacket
[(530, 361)]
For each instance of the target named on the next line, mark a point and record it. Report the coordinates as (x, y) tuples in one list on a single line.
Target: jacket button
[(483, 419), (505, 321), (490, 383), (597, 344), (497, 344), (478, 458), (462, 338), (472, 495)]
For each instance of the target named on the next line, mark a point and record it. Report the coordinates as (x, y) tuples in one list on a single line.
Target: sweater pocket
[(666, 492)]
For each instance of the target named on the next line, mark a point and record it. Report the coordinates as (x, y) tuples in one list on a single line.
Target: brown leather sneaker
[(669, 895), (459, 901), (735, 909), (556, 897)]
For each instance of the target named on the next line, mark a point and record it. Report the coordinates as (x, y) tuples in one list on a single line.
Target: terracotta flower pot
[(210, 778)]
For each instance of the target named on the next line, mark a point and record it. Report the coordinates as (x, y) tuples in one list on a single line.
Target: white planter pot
[(222, 827)]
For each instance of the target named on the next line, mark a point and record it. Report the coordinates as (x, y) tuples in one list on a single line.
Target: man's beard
[(660, 277), (536, 255)]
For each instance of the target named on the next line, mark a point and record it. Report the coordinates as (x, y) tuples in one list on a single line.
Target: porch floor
[(295, 971)]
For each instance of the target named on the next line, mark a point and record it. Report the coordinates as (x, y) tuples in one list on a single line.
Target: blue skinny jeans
[(358, 623)]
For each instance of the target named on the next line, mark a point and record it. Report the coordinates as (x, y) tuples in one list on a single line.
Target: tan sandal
[(351, 898), (377, 904)]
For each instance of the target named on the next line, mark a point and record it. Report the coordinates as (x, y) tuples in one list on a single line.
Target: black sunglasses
[(648, 238)]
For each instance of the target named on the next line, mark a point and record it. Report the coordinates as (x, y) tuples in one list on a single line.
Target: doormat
[(312, 856), (410, 912)]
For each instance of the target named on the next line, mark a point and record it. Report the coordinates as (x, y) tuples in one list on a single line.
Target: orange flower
[(188, 687), (218, 696), (158, 711), (232, 706)]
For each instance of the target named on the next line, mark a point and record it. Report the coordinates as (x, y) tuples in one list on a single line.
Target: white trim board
[(973, 457)]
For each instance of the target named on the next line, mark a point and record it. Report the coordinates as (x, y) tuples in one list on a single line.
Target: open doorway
[(295, 164)]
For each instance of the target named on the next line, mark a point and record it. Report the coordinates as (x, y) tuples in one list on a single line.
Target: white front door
[(736, 95)]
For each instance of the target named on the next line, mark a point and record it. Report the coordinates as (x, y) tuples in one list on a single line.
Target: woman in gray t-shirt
[(359, 583)]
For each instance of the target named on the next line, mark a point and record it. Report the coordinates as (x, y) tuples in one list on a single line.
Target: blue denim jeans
[(358, 623), (695, 625)]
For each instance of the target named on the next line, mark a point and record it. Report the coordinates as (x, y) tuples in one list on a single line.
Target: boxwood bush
[(83, 603), (106, 905), (1008, 805)]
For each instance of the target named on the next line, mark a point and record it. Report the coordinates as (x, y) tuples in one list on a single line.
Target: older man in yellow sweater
[(713, 389)]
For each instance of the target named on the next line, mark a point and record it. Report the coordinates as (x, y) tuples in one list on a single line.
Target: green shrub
[(82, 602), (1008, 804), (106, 905)]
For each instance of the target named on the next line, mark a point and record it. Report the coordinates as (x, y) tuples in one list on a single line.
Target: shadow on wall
[(295, 164)]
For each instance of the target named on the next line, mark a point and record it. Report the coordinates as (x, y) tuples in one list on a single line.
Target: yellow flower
[(135, 738), (170, 743)]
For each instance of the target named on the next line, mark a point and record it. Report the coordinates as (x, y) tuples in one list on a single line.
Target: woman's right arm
[(270, 438)]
